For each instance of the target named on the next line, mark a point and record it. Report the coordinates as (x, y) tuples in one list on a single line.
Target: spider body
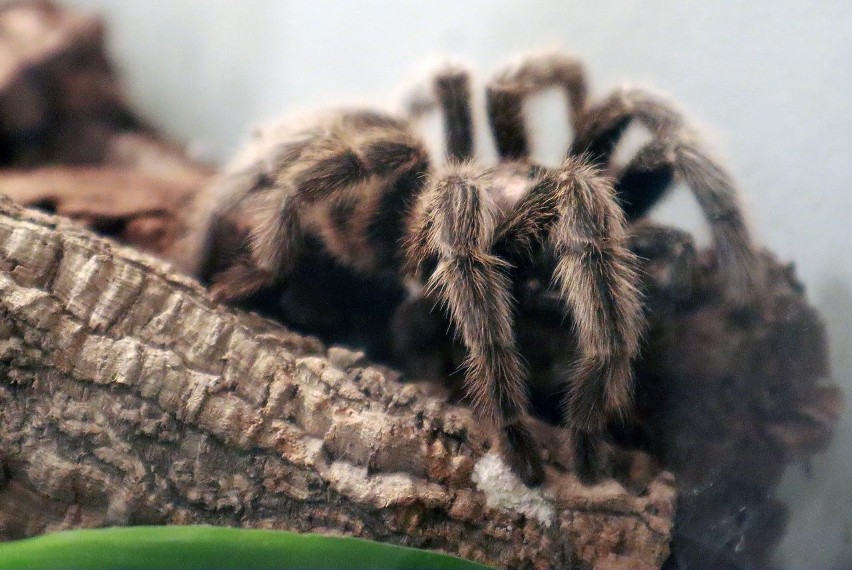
[(358, 188)]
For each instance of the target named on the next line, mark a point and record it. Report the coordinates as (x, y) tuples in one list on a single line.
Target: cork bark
[(128, 397), (142, 209)]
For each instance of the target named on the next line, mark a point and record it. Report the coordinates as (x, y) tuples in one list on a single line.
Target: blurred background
[(769, 81)]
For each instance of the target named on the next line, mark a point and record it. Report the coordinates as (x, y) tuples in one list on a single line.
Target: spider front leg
[(571, 212), (453, 231)]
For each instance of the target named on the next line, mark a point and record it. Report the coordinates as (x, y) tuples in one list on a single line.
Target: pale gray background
[(770, 79)]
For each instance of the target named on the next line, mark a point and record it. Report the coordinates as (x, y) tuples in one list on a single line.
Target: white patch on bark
[(503, 490)]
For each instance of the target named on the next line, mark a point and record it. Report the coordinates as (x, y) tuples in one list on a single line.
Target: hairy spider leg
[(354, 159), (453, 232), (573, 213), (512, 85), (452, 89), (673, 153), (448, 90)]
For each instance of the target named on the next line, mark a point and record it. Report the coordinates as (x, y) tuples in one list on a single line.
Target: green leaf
[(208, 547)]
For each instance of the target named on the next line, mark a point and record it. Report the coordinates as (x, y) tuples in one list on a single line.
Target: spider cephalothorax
[(358, 188)]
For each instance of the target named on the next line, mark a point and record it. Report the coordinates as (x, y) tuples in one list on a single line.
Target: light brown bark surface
[(128, 397)]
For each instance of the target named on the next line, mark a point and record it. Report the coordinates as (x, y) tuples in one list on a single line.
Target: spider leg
[(572, 212), (509, 88), (449, 90), (248, 175), (453, 231), (453, 90), (645, 180), (675, 152), (334, 159)]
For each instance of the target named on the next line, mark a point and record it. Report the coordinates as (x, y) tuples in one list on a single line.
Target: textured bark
[(146, 210), (128, 397)]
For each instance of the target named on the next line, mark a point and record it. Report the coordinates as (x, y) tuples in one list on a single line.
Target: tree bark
[(145, 210), (128, 397)]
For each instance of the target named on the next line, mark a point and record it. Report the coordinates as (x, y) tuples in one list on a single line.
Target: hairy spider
[(358, 187)]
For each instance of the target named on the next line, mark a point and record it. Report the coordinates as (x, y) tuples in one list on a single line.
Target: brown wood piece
[(128, 397)]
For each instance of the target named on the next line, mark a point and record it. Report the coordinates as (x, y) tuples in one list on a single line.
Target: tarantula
[(360, 187)]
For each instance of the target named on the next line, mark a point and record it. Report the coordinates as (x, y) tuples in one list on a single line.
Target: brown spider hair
[(675, 151), (360, 186)]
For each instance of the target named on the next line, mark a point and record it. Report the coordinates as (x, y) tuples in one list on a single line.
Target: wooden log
[(128, 397)]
